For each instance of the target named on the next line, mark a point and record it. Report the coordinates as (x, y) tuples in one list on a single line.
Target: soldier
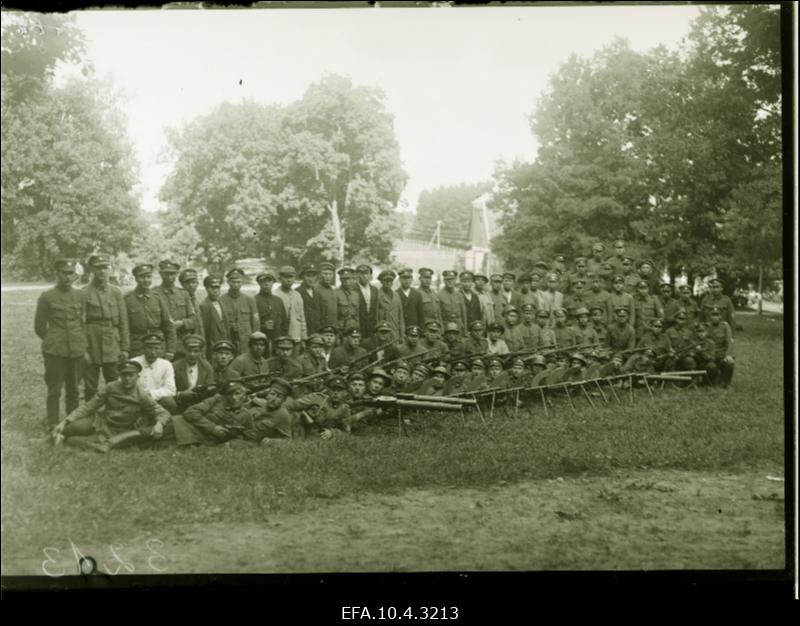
[(476, 379), (329, 302), (515, 376), (547, 336), (276, 418), (620, 298), (271, 310), (329, 340), (598, 315), (383, 343), (475, 342), (682, 341), (496, 295), (347, 301), (646, 273), (510, 295), (312, 360), (687, 303), (451, 301), (193, 376), (390, 309), (597, 296), (222, 355), (357, 386), (455, 384), (613, 367), (526, 294), (577, 368), (515, 333), (550, 299), (595, 263), (618, 257), (367, 301), (565, 335), (181, 310), (531, 331), (379, 381), (585, 334), (148, 313), (487, 305), (657, 340), (607, 273), (411, 348), (580, 273), (432, 342), (107, 333), (436, 384), (577, 299), (349, 351), (212, 315), (641, 362), (60, 323), (221, 418), (716, 300), (647, 308), (294, 307), (704, 352), (720, 332), (495, 342), (472, 301), (120, 413), (282, 364), (629, 275), (453, 340), (419, 375), (189, 281), (431, 309), (621, 335), (669, 304), (331, 416), (157, 376), (411, 300), (312, 302), (252, 362), (539, 371), (240, 310), (493, 370)]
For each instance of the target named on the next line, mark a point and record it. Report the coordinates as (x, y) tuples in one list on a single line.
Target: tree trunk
[(760, 283), (333, 207)]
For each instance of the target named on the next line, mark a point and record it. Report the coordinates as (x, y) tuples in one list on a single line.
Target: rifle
[(334, 372), (414, 402), (560, 350), (371, 352), (402, 358)]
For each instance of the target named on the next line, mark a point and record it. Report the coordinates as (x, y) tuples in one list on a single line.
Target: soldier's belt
[(100, 321)]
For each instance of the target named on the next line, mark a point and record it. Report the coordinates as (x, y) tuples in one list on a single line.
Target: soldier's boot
[(726, 373), (87, 443), (124, 439), (712, 374)]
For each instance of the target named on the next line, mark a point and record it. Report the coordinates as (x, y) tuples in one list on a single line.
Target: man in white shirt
[(157, 377), (293, 303)]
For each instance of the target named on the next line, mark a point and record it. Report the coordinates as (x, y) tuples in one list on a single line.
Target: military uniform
[(199, 421), (431, 309), (390, 309), (148, 313), (343, 356), (721, 302), (59, 322), (598, 299), (179, 304), (647, 309), (621, 337), (328, 301), (242, 314), (722, 338), (585, 335), (347, 302), (616, 300), (516, 336), (272, 315), (247, 365), (453, 307), (565, 336), (288, 369)]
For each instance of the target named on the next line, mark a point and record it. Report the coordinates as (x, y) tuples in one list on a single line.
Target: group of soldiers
[(304, 360)]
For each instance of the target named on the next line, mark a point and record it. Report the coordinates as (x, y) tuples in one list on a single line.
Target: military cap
[(451, 327), (641, 264), (627, 258), (187, 274), (356, 376), (352, 332), (229, 386), (535, 274), (642, 283), (151, 339), (328, 329), (325, 265), (524, 278), (168, 266), (433, 325), (265, 276), (511, 309), (528, 307), (384, 325), (579, 281), (130, 366), (314, 338), (598, 246), (476, 325), (510, 275), (680, 313), (193, 340), (552, 277), (560, 312), (665, 283), (286, 270), (656, 322), (578, 357), (282, 386), (223, 344), (282, 341), (517, 361), (386, 274), (685, 287), (701, 326), (597, 307), (379, 373), (401, 365), (607, 266), (497, 277), (495, 326), (99, 260), (422, 368), (308, 269), (425, 271), (538, 359), (466, 274), (622, 309), (142, 268), (406, 272), (618, 279), (212, 281), (715, 311), (441, 369), (494, 361), (364, 269), (559, 258), (542, 313), (345, 271), (414, 331), (460, 366), (582, 311), (541, 265), (257, 336), (235, 273), (449, 274), (482, 277), (580, 259), (477, 361), (715, 281)]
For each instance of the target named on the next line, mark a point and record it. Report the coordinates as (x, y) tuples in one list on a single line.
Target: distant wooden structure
[(484, 225)]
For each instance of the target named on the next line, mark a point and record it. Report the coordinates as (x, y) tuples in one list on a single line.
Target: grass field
[(679, 481)]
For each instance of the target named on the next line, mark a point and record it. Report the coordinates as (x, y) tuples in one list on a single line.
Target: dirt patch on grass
[(643, 520)]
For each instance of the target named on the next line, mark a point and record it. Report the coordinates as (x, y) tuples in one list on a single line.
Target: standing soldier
[(107, 331), (683, 342), (620, 298), (293, 307), (430, 300), (629, 275), (487, 305), (577, 299), (526, 293), (413, 310), (621, 335), (451, 301), (515, 333), (551, 299), (188, 280), (179, 304), (329, 303), (496, 294), (716, 300), (60, 324), (348, 301), (367, 301), (472, 302), (212, 315), (241, 311), (646, 273), (617, 258), (597, 296), (689, 305), (510, 295), (312, 303), (594, 265), (669, 304), (148, 313), (531, 333), (390, 309), (720, 332), (580, 273), (647, 307), (271, 310)]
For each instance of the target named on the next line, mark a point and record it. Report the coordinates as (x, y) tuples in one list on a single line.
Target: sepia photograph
[(397, 288)]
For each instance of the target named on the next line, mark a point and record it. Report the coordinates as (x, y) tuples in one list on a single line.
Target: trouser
[(91, 377), (82, 434), (61, 372), (725, 367)]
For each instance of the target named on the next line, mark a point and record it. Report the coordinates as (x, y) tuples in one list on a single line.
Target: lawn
[(632, 483)]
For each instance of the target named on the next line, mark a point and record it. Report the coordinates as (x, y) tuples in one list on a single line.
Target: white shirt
[(406, 292), (217, 307), (366, 292), (157, 378), (192, 372)]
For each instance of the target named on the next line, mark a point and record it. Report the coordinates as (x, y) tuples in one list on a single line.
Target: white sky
[(460, 82)]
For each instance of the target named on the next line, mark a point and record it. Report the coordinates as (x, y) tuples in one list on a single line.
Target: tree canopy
[(452, 205)]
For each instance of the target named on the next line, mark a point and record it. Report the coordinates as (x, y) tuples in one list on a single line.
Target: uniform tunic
[(180, 307), (585, 336), (598, 299), (204, 416), (531, 335), (431, 309), (149, 313), (107, 330), (288, 369), (565, 336), (722, 337), (515, 337), (328, 305), (723, 303), (390, 310), (344, 355), (347, 309), (272, 309), (59, 322), (621, 337), (647, 308), (246, 365), (453, 308), (242, 315), (436, 349), (621, 300)]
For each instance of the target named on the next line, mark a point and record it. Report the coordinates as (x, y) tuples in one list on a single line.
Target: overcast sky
[(460, 82)]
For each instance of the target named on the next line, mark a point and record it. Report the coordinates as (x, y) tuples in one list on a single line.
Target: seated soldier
[(282, 365), (328, 415), (454, 341), (720, 332), (577, 368), (379, 382), (704, 354), (157, 377), (221, 357), (410, 347), (656, 339), (493, 370), (120, 414), (565, 335), (539, 370), (401, 373), (593, 365), (312, 361), (278, 414), (531, 331), (194, 376), (456, 382), (434, 386), (598, 316), (621, 335), (330, 336), (251, 362), (515, 332), (221, 418), (432, 342), (382, 343), (548, 337), (495, 342), (585, 333), (515, 376), (419, 374), (476, 379), (357, 384), (349, 351), (475, 343), (682, 340)]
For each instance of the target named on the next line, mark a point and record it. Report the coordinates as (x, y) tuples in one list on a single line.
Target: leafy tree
[(452, 205)]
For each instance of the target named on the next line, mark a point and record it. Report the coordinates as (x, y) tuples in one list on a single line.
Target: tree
[(452, 205)]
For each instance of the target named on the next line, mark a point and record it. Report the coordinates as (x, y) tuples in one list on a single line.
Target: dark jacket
[(205, 374), (214, 326), (368, 315), (312, 307), (413, 309)]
